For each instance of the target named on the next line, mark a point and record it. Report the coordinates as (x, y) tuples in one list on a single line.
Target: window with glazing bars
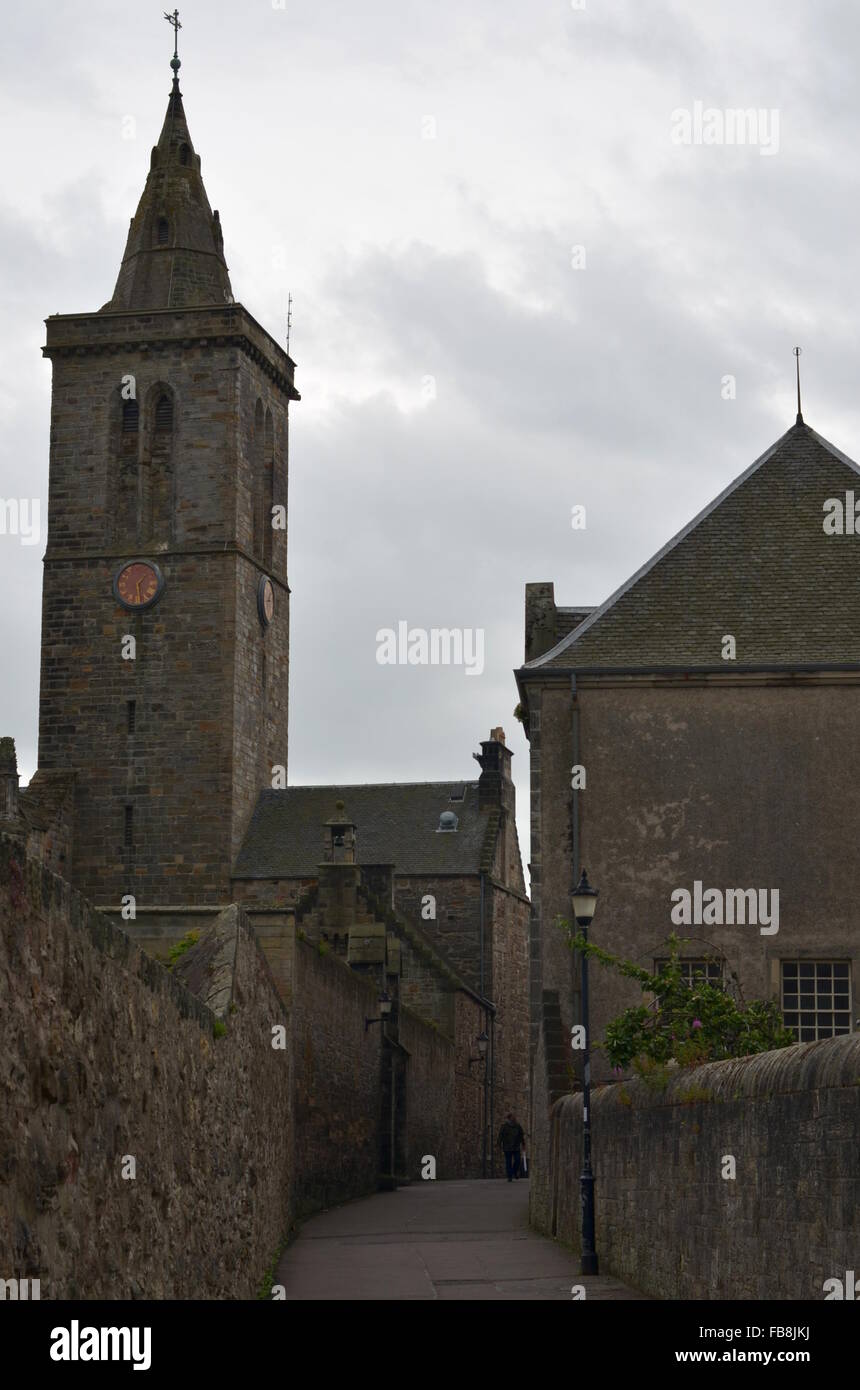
[(693, 971), (816, 998)]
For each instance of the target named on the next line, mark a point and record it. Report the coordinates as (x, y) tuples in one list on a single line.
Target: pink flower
[(697, 1023)]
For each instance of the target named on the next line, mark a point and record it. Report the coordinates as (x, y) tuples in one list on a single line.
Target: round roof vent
[(448, 821)]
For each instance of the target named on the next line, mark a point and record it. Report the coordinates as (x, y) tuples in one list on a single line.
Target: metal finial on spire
[(797, 352), (173, 19)]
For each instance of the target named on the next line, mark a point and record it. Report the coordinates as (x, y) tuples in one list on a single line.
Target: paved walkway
[(434, 1240)]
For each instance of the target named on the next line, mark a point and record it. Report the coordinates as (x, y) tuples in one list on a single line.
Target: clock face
[(266, 600), (138, 584)]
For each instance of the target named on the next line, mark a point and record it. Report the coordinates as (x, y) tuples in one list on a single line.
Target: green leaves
[(689, 1024), (177, 951)]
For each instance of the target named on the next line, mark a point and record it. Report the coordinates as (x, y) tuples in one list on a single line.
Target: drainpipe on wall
[(486, 1067), (484, 1112), (393, 1085), (574, 826), (481, 986), (492, 1094)]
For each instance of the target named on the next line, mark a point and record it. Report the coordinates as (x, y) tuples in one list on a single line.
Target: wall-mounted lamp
[(482, 1040), (384, 1010)]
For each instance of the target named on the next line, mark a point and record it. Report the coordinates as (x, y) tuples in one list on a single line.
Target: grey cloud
[(700, 263)]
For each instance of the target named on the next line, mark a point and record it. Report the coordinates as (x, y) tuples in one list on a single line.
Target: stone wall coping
[(48, 893), (331, 960), (828, 1063)]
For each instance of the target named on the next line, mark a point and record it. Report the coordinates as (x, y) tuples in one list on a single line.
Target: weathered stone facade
[(168, 445), (737, 773), (209, 722), (671, 1222), (41, 814), (337, 1078), (243, 1106), (107, 1056), (347, 918), (162, 732), (461, 923)]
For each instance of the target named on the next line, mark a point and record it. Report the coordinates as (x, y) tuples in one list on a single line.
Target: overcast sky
[(562, 377)]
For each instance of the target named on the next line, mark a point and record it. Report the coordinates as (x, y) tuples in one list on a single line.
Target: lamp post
[(584, 902)]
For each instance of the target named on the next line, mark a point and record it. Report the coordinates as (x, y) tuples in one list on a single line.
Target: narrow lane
[(435, 1240)]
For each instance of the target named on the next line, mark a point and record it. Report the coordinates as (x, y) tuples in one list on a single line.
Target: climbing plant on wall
[(690, 1022)]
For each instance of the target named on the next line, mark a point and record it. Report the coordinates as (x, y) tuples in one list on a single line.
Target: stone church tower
[(168, 464)]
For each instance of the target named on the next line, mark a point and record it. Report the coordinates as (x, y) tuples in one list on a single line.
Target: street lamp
[(584, 903), (384, 1010), (482, 1041)]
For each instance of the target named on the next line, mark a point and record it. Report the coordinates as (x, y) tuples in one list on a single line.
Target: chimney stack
[(495, 787), (540, 619)]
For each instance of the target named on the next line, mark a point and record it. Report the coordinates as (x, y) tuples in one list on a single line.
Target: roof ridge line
[(571, 638), (832, 449)]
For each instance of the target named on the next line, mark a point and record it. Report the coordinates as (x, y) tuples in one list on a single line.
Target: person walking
[(511, 1139)]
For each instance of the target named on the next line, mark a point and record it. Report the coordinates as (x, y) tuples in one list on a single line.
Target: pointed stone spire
[(174, 256)]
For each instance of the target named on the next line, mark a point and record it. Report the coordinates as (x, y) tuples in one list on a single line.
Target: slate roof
[(566, 619), (396, 823), (756, 563)]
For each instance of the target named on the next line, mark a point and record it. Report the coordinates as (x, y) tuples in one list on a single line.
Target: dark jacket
[(511, 1136)]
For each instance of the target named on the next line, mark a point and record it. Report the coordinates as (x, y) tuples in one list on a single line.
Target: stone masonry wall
[(430, 1097), (337, 1080), (720, 783), (670, 1224), (471, 1112), (446, 1099), (341, 1085), (207, 679), (104, 1054), (107, 1054), (540, 1134), (509, 948), (456, 927)]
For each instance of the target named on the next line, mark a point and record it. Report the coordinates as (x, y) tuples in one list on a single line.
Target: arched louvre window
[(162, 231), (258, 492), (124, 472), (157, 493), (268, 488), (163, 415), (184, 154)]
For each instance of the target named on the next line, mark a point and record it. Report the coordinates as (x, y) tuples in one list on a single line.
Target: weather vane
[(797, 352), (173, 19)]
